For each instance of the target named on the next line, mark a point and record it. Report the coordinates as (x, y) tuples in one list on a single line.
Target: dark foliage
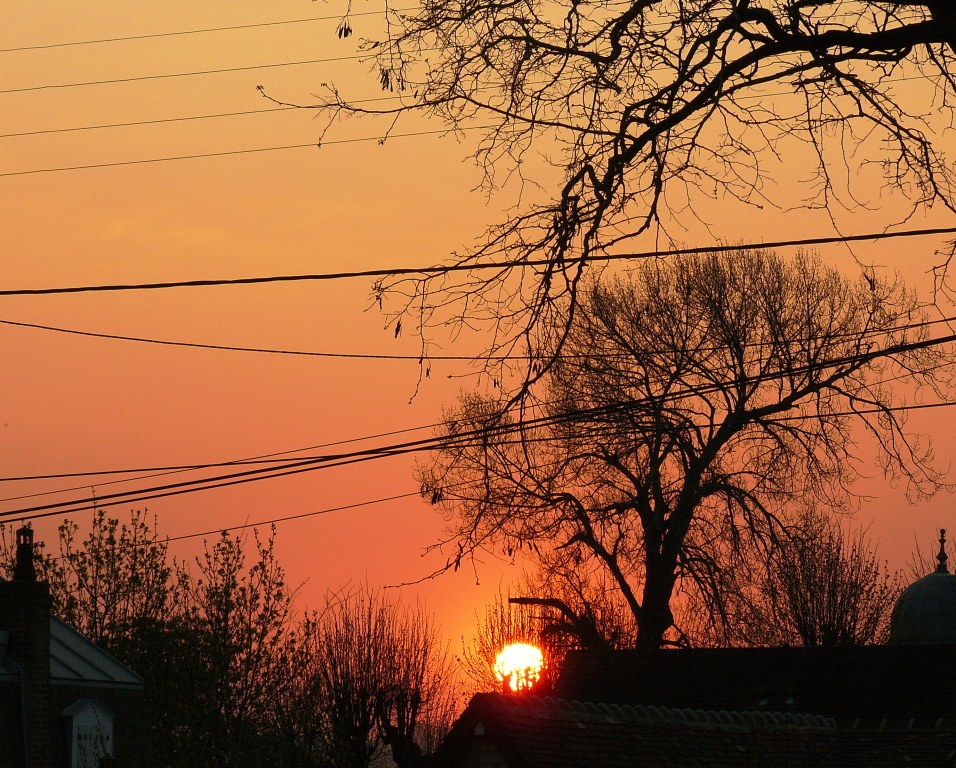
[(233, 676)]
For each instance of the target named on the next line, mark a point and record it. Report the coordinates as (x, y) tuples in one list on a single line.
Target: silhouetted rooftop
[(77, 661), (532, 731), (869, 682), (528, 731)]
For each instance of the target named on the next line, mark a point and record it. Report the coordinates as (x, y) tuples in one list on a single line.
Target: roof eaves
[(75, 659)]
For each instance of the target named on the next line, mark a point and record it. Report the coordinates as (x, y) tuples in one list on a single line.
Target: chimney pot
[(25, 570)]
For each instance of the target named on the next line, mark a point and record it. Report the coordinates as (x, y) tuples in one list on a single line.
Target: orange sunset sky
[(75, 404)]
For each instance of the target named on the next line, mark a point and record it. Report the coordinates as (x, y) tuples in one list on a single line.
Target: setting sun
[(520, 665)]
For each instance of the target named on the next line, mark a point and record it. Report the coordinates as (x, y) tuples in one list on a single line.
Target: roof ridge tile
[(663, 714)]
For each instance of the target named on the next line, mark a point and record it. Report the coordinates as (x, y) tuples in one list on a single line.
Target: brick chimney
[(25, 614)]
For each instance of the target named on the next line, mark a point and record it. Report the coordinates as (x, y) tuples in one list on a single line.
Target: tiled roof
[(916, 745), (529, 732), (869, 707), (872, 682)]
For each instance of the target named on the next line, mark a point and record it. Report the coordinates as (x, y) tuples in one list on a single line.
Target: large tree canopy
[(692, 403), (649, 107)]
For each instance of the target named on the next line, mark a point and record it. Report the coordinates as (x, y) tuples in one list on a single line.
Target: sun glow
[(519, 666)]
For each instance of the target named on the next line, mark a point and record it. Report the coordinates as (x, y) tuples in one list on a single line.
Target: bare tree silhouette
[(691, 403), (373, 679), (826, 587), (822, 585), (647, 108)]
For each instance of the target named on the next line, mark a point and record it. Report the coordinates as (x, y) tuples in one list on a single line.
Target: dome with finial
[(925, 612)]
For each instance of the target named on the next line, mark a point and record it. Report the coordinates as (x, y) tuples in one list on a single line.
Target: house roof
[(532, 731), (528, 732), (74, 660), (869, 682), (910, 745)]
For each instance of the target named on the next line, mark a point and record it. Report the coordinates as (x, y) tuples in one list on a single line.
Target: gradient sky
[(69, 403)]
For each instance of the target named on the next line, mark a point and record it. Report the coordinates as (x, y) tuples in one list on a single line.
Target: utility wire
[(66, 509), (155, 472), (172, 470), (186, 118), (170, 158), (157, 121), (294, 466), (193, 73), (420, 358), (474, 266), (285, 107), (177, 489), (269, 458), (261, 350), (204, 30), (245, 113), (192, 486), (459, 439), (228, 153), (286, 518), (356, 505), (244, 526)]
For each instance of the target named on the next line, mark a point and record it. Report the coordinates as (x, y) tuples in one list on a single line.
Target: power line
[(239, 478), (68, 508), (410, 494), (293, 466), (287, 107), (227, 153), (462, 438), (156, 121), (474, 266), (370, 502), (187, 118), (171, 470), (420, 358), (286, 518), (270, 521), (177, 489), (269, 458), (168, 75), (246, 113), (159, 471), (204, 30), (261, 350)]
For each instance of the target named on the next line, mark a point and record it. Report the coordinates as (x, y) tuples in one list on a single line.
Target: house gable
[(74, 660)]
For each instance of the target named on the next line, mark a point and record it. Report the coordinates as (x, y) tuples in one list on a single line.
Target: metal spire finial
[(941, 558)]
